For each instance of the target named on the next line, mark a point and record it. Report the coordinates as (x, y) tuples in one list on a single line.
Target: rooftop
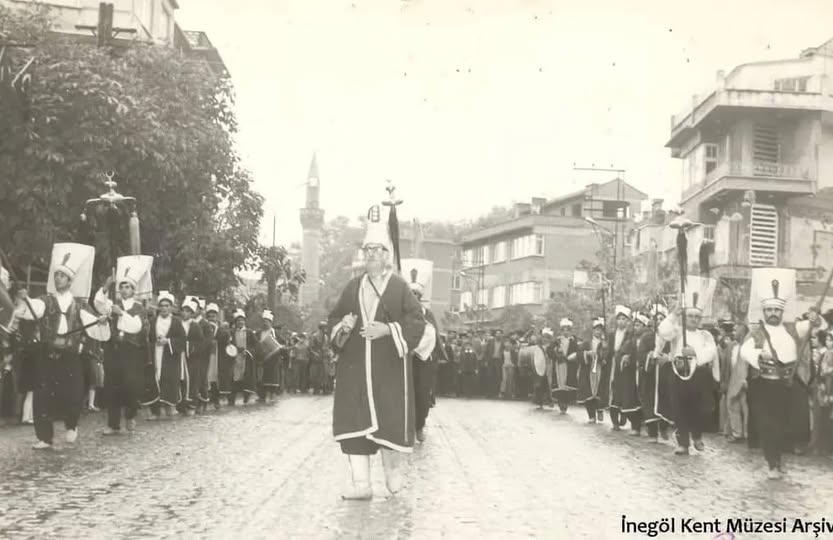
[(527, 222)]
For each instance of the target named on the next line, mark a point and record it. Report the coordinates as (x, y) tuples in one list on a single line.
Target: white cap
[(599, 321), (212, 308), (659, 309), (547, 332), (566, 323), (239, 313), (267, 315), (623, 310), (641, 317), (191, 303), (166, 296)]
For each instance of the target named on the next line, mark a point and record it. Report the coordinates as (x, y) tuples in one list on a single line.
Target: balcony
[(683, 125), (791, 178)]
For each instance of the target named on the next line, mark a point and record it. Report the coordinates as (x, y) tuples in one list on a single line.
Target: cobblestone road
[(488, 470)]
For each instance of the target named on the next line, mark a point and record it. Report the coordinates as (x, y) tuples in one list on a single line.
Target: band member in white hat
[(771, 350), (167, 340), (593, 358), (565, 353), (424, 363), (240, 355), (212, 317), (619, 346), (62, 323), (201, 380), (195, 372), (125, 354), (268, 357), (695, 365), (648, 373), (375, 324)]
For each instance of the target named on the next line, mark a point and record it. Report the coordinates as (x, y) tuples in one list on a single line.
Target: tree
[(339, 242), (514, 318), (279, 274), (163, 123)]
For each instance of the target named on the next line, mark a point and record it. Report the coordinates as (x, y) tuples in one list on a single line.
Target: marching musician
[(126, 352), (648, 348), (590, 370), (62, 322), (424, 362), (166, 339), (564, 352), (771, 350), (695, 365), (537, 351), (212, 315), (268, 358), (201, 382), (196, 365), (239, 355), (619, 341)]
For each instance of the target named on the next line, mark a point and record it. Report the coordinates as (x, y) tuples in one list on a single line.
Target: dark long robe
[(374, 395), (589, 385), (196, 361), (566, 371), (612, 368), (124, 361), (168, 387)]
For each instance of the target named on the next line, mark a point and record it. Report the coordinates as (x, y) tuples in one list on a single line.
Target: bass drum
[(534, 355)]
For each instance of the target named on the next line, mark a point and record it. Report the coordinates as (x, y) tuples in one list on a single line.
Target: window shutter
[(763, 235)]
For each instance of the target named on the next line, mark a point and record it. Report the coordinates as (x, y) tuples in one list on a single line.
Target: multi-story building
[(526, 260), (757, 157), (143, 20)]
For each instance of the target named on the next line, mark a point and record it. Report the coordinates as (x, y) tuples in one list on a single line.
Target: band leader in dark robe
[(375, 324)]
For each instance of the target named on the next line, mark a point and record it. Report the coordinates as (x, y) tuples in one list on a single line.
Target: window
[(499, 296), (468, 258), (526, 246), (456, 281), (711, 157), (794, 84), (766, 149), (563, 210), (499, 252), (763, 235), (528, 292), (465, 301), (482, 298), (577, 210), (615, 209)]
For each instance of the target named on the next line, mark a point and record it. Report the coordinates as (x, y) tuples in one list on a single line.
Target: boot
[(393, 474), (360, 489)]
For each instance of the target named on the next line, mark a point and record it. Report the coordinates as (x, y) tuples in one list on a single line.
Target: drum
[(231, 350), (269, 346), (535, 356)]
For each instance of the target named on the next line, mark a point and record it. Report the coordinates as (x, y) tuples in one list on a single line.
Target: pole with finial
[(393, 223)]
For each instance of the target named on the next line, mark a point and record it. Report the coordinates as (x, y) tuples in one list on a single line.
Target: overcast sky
[(467, 104)]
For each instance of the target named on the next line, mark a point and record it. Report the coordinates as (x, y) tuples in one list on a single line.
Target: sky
[(469, 104)]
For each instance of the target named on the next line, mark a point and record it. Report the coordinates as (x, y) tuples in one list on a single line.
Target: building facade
[(527, 260), (757, 161)]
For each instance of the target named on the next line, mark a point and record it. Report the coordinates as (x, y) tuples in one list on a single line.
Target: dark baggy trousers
[(59, 392)]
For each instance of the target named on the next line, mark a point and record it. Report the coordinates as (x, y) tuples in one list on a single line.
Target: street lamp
[(108, 205)]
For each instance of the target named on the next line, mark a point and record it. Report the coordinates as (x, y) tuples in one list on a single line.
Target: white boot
[(391, 462), (28, 416), (360, 489)]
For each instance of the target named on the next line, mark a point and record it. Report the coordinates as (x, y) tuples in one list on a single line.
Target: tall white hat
[(192, 303), (267, 315), (136, 270), (418, 273), (76, 262), (772, 287), (699, 294), (165, 296), (376, 230), (623, 310)]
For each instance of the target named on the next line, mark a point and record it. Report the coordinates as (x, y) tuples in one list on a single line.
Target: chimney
[(522, 209)]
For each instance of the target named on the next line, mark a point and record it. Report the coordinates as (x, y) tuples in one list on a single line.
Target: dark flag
[(393, 229)]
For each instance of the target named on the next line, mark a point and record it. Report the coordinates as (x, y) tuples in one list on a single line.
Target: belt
[(775, 372)]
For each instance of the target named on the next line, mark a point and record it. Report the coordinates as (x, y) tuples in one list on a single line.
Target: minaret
[(312, 220)]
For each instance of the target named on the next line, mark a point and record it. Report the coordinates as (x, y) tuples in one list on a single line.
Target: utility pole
[(274, 225), (104, 31), (620, 189)]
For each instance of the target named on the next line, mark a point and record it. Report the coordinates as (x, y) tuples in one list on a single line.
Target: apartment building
[(757, 161), (529, 258)]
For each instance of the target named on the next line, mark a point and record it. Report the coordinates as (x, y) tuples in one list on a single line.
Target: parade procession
[(416, 269)]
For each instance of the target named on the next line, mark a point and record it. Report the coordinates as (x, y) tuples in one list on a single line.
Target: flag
[(393, 230)]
